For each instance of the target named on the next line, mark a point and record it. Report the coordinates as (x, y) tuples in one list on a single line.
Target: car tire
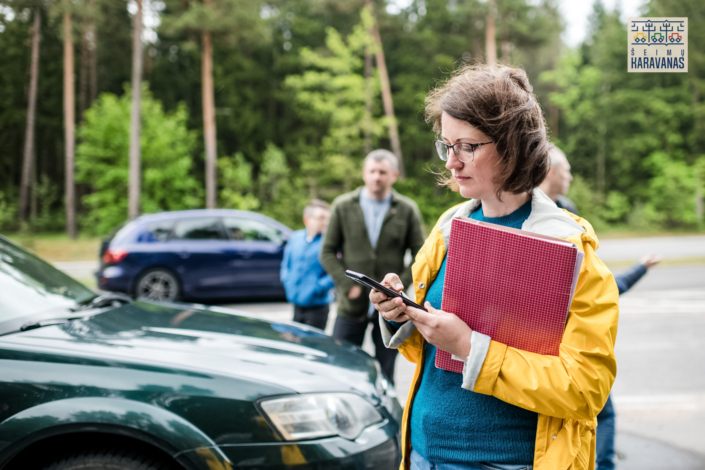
[(108, 459), (158, 284)]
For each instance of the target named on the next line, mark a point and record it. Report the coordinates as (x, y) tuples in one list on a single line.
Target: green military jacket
[(347, 236)]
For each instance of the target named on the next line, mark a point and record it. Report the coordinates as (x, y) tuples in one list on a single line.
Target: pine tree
[(135, 115), (28, 155)]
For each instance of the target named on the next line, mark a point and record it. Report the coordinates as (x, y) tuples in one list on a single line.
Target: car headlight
[(320, 415)]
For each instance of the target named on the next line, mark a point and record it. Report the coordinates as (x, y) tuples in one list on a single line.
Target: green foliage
[(8, 212), (330, 93), (235, 179), (47, 197), (671, 191), (291, 121), (587, 200), (102, 160), (639, 126)]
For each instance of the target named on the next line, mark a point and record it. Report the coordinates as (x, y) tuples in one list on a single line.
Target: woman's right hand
[(391, 309)]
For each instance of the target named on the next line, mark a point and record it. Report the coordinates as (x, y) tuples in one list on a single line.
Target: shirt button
[(554, 437), (422, 285)]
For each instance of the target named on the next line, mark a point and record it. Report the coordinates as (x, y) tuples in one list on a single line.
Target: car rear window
[(156, 231), (201, 228), (251, 230)]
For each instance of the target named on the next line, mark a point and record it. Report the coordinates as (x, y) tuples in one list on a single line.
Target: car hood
[(181, 338)]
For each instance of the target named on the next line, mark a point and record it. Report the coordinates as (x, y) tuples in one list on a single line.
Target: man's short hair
[(380, 155), (556, 156), (313, 205)]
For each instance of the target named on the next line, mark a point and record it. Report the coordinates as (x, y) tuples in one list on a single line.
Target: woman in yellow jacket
[(509, 409)]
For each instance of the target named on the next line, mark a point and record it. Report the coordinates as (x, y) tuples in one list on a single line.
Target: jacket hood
[(546, 219)]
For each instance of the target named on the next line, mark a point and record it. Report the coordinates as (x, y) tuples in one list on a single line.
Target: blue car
[(195, 255)]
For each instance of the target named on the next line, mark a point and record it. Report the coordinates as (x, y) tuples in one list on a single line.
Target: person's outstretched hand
[(650, 260)]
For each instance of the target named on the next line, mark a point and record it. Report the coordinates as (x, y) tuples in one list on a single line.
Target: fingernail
[(399, 286)]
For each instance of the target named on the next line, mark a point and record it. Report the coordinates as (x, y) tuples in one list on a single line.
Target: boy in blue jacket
[(307, 285)]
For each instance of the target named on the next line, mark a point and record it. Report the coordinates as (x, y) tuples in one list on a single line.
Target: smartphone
[(372, 284)]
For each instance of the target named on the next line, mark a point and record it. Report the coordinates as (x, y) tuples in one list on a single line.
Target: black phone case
[(372, 284)]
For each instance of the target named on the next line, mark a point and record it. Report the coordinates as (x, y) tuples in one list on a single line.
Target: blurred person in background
[(305, 281), (558, 180), (556, 187), (370, 228)]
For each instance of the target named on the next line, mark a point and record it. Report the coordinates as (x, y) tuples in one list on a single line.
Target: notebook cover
[(512, 285)]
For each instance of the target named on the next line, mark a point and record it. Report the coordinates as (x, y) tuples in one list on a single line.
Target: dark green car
[(89, 382)]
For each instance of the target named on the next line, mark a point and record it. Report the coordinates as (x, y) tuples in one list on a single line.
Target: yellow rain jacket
[(568, 390)]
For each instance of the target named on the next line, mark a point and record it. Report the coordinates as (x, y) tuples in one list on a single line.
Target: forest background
[(289, 81)]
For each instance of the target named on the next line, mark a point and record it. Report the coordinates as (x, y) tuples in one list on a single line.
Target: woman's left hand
[(442, 329)]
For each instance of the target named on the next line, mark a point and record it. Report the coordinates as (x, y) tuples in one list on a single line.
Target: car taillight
[(114, 255)]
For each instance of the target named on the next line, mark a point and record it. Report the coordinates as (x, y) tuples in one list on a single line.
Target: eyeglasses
[(463, 150)]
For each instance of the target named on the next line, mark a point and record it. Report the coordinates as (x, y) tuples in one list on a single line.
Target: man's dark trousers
[(316, 316), (354, 332)]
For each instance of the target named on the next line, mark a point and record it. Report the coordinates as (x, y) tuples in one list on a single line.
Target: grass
[(58, 247)]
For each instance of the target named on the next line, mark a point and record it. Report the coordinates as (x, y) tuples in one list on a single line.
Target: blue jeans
[(419, 463), (605, 437)]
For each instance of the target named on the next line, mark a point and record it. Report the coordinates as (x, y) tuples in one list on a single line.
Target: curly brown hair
[(498, 101)]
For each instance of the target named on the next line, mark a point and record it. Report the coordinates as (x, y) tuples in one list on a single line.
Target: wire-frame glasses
[(465, 151)]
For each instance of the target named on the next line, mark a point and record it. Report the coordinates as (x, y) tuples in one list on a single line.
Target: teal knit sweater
[(450, 424)]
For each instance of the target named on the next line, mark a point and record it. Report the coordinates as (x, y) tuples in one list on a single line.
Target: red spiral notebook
[(512, 285)]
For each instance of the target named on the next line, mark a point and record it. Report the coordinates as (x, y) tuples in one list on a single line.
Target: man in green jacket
[(369, 231)]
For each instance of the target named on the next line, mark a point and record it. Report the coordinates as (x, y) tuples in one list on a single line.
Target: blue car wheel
[(158, 284)]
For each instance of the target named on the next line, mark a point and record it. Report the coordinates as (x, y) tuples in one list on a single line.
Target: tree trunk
[(208, 116), (33, 195), (490, 44), (135, 115), (31, 113), (69, 120), (93, 54), (368, 101), (83, 76), (386, 91)]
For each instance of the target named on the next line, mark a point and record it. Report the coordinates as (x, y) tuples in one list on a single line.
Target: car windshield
[(30, 287)]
